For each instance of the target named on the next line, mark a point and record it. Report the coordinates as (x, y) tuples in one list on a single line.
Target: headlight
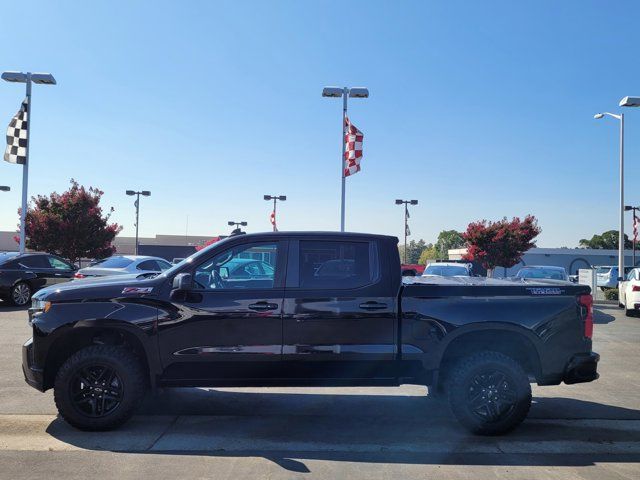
[(40, 305)]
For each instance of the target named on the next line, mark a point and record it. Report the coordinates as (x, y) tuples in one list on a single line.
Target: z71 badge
[(545, 291), (131, 290)]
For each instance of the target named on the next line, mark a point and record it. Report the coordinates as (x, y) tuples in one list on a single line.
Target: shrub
[(611, 294)]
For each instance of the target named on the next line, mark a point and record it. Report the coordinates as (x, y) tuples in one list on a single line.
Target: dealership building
[(572, 259)]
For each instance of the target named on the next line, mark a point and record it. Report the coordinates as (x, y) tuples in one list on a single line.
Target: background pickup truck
[(306, 309)]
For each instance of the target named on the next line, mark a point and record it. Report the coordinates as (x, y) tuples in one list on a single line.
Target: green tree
[(607, 240), (448, 239), (429, 253), (71, 224), (414, 249)]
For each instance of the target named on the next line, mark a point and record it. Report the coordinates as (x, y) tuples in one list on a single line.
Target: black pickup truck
[(306, 308)]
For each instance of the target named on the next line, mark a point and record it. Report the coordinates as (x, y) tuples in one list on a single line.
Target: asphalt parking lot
[(589, 431)]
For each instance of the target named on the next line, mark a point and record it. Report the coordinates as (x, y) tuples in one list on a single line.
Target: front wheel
[(489, 393), (20, 294), (99, 387)]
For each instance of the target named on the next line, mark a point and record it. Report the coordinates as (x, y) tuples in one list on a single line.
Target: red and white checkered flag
[(353, 150)]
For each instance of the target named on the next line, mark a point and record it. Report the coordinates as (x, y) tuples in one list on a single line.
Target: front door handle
[(263, 306), (373, 306)]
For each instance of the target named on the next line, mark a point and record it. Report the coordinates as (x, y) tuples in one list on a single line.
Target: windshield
[(550, 273), (446, 270), (113, 262)]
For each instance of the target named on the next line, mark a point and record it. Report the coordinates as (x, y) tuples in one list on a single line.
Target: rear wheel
[(99, 387), (20, 294), (489, 393), (629, 312)]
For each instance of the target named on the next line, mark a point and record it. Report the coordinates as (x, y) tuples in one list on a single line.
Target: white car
[(447, 269), (124, 265), (629, 292)]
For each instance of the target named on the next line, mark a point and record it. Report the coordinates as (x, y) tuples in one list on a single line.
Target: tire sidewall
[(113, 357), (458, 393), (13, 289)]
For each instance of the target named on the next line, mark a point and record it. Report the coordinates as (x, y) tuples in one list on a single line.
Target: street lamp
[(275, 198), (406, 222), (28, 78), (630, 102), (620, 117), (344, 92), (236, 230), (144, 193), (628, 208), (4, 188)]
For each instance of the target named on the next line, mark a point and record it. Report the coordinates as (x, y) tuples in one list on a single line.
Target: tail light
[(587, 302), (635, 288), (78, 275)]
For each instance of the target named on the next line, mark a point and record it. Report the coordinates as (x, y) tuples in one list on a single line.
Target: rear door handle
[(373, 306), (263, 306)]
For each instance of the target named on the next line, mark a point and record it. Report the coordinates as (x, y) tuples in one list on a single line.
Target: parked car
[(412, 269), (542, 272), (22, 275), (607, 276), (447, 269), (100, 343), (123, 265), (629, 292)]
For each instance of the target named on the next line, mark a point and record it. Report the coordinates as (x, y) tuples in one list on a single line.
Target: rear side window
[(113, 262), (337, 264), (150, 265), (35, 261)]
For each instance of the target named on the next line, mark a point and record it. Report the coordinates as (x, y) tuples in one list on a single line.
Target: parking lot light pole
[(233, 223), (28, 78), (406, 222), (144, 193), (344, 92), (621, 229), (275, 198)]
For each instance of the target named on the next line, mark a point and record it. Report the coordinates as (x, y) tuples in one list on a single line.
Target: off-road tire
[(131, 378), (462, 390)]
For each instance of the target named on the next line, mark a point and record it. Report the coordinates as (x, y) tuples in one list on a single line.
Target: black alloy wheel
[(96, 390)]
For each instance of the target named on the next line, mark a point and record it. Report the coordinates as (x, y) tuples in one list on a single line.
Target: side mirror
[(183, 282)]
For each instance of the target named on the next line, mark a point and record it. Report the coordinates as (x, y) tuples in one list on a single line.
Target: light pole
[(28, 78), (4, 188), (144, 193), (634, 210), (275, 198), (406, 222), (621, 227), (344, 92), (233, 223)]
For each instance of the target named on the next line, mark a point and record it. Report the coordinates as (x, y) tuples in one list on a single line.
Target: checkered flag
[(17, 132), (353, 148)]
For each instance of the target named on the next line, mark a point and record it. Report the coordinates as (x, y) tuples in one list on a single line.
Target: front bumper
[(32, 375), (583, 367)]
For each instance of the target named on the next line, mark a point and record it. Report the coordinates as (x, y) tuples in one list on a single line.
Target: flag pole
[(345, 95), (25, 170)]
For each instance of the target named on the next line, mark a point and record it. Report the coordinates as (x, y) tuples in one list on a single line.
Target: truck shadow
[(602, 315), (289, 428)]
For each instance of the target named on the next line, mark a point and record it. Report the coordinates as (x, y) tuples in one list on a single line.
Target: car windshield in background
[(113, 262), (549, 273), (446, 271)]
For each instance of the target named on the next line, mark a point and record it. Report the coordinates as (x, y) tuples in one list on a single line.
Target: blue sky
[(477, 109)]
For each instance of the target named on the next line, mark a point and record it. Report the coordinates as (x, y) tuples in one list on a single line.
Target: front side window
[(34, 261), (247, 266), (58, 264), (113, 262), (337, 264), (148, 266)]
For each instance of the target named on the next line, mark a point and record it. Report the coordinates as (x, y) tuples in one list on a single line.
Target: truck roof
[(355, 235)]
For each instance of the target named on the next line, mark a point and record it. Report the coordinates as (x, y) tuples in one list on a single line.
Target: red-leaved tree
[(71, 224), (500, 243)]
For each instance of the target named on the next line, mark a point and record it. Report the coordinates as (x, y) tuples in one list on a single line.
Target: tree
[(448, 239), (500, 243), (607, 240), (429, 253), (414, 249), (71, 224)]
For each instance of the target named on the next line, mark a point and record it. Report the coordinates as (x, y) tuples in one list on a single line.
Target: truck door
[(339, 308), (229, 325)]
